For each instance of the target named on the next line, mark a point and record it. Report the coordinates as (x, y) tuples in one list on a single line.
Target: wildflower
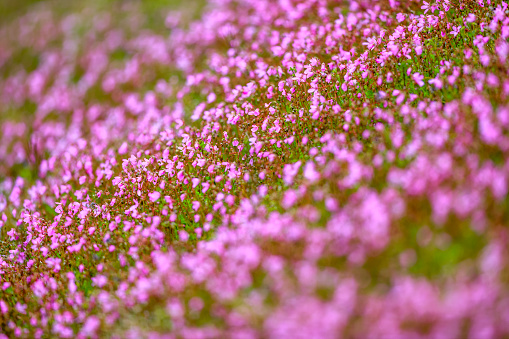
[(154, 196), (426, 7), (436, 82), (21, 308), (310, 172), (471, 18), (122, 149), (418, 79), (3, 307), (400, 17), (183, 236), (99, 281), (455, 31), (371, 43), (91, 326)]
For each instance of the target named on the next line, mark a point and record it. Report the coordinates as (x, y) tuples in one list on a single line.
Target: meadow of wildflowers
[(255, 169)]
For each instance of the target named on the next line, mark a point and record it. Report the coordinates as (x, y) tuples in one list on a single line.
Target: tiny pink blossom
[(426, 7), (99, 281), (418, 78), (183, 236), (154, 196), (123, 148)]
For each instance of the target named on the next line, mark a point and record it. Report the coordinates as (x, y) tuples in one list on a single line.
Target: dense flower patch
[(279, 169)]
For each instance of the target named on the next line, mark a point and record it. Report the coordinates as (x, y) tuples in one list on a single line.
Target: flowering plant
[(252, 169)]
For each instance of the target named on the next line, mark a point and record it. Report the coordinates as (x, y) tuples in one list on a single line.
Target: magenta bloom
[(154, 196)]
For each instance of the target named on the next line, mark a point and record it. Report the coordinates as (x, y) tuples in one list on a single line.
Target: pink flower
[(426, 7), (211, 97), (289, 199), (418, 79), (3, 307), (183, 236), (154, 196), (436, 82), (490, 132), (195, 182), (371, 43), (310, 173), (502, 49), (21, 308), (485, 60), (99, 281), (123, 148), (91, 326), (455, 30), (205, 186), (290, 171), (180, 175)]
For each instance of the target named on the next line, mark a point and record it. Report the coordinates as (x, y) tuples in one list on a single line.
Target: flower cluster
[(289, 169)]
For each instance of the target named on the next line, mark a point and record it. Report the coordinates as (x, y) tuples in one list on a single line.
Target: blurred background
[(11, 8), (154, 11), (61, 57)]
